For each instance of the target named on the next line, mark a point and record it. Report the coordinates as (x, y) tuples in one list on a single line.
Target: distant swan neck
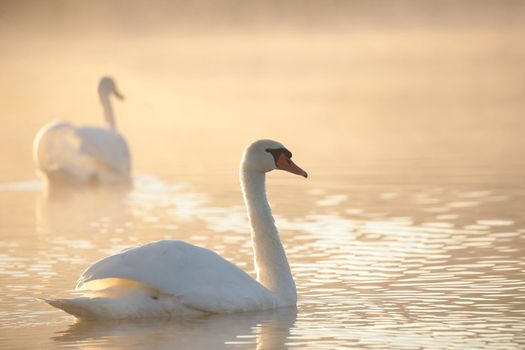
[(271, 264), (108, 110)]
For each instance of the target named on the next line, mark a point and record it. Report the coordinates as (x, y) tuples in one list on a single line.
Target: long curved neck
[(108, 110), (270, 260)]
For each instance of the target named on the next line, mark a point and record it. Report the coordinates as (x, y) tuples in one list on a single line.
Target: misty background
[(436, 84)]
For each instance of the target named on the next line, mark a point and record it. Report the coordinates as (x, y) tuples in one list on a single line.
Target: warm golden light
[(408, 116)]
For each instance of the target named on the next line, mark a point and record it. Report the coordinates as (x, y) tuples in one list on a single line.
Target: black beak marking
[(276, 153)]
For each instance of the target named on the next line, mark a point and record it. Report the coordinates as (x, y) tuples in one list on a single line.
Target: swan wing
[(56, 149), (199, 277), (107, 146), (61, 149)]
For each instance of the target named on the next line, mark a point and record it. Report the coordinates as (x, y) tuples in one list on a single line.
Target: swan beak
[(118, 94), (286, 164)]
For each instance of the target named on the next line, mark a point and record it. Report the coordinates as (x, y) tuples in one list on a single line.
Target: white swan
[(66, 154), (169, 278)]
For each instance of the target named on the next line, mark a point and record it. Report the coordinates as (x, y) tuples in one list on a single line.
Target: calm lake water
[(379, 262), (408, 234)]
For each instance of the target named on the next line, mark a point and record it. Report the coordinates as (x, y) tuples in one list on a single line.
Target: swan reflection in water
[(70, 210), (267, 329)]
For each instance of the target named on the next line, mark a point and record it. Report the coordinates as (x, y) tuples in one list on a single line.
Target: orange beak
[(285, 163)]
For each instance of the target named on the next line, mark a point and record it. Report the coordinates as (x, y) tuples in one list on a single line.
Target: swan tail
[(84, 308), (115, 298)]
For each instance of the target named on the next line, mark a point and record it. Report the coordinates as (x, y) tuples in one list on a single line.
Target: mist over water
[(407, 115), (351, 80)]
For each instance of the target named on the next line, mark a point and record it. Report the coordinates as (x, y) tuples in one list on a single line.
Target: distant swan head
[(107, 87), (267, 155)]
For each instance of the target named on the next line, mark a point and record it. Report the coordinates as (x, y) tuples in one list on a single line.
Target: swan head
[(107, 87), (267, 155)]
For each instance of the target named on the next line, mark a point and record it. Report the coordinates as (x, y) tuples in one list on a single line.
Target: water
[(408, 234), (385, 264)]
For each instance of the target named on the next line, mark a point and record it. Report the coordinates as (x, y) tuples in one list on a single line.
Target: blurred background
[(429, 83)]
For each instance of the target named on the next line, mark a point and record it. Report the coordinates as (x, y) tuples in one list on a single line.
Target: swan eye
[(276, 153)]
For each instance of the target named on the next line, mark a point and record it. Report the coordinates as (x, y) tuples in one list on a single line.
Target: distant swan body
[(171, 278), (66, 154)]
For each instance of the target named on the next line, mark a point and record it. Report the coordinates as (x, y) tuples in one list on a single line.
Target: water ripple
[(374, 269)]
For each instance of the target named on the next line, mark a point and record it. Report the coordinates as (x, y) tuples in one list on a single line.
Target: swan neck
[(109, 117), (271, 264)]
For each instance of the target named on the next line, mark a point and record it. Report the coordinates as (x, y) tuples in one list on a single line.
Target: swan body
[(167, 278), (173, 278), (67, 154)]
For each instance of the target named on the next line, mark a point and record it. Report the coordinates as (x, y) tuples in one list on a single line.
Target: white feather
[(198, 277)]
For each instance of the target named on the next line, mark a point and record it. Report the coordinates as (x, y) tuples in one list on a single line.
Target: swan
[(67, 154), (173, 278)]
